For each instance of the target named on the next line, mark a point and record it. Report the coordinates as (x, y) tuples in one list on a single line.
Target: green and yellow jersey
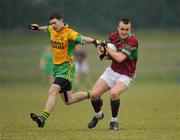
[(63, 44)]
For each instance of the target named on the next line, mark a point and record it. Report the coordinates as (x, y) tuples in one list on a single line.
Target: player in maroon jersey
[(117, 77)]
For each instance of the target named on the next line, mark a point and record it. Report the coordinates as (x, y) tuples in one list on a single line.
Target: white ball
[(111, 46)]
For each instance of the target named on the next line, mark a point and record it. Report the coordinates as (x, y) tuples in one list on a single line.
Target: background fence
[(22, 62)]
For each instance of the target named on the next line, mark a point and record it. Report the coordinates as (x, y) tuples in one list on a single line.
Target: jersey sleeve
[(48, 28), (75, 36), (113, 37)]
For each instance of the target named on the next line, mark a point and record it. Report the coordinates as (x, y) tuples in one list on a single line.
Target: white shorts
[(82, 68), (111, 78)]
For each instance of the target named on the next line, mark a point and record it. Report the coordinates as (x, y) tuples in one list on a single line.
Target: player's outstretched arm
[(88, 40), (36, 27)]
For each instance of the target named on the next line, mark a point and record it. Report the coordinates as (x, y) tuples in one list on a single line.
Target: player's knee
[(68, 103), (52, 92), (114, 95), (94, 96)]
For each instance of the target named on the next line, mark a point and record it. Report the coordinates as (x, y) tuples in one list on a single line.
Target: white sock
[(114, 119), (99, 114)]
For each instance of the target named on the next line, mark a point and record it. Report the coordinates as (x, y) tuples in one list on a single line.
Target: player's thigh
[(118, 88), (99, 88), (65, 90)]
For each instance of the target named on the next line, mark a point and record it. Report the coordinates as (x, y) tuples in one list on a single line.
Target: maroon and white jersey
[(129, 47)]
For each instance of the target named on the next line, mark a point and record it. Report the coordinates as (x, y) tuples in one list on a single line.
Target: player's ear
[(118, 28), (61, 20), (130, 29)]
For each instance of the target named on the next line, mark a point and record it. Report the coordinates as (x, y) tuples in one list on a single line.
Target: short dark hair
[(55, 15), (125, 20)]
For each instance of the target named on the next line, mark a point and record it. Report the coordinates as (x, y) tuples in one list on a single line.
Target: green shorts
[(65, 70)]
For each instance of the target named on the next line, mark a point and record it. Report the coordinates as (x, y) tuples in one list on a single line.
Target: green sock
[(45, 114)]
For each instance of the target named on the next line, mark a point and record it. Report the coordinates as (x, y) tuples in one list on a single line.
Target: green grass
[(148, 111)]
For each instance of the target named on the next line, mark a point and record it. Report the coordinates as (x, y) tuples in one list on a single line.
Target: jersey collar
[(122, 40)]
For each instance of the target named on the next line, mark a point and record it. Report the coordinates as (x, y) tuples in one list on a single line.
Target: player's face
[(124, 30), (56, 24)]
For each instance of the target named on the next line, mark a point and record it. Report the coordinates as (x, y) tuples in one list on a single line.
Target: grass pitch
[(148, 111)]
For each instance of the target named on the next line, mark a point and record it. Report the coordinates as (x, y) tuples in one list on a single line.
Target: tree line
[(99, 15)]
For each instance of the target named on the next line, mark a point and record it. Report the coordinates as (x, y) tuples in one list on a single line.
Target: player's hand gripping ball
[(102, 51), (111, 46), (103, 54)]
